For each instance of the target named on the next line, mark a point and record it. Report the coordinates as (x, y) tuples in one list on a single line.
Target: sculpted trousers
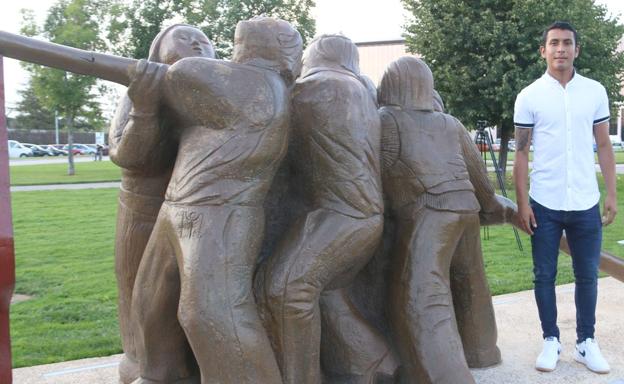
[(429, 245), (322, 252), (211, 252), (136, 216)]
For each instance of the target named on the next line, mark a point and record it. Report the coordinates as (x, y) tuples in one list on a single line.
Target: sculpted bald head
[(408, 83), (269, 43)]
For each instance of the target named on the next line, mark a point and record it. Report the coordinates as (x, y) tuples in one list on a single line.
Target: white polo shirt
[(563, 175)]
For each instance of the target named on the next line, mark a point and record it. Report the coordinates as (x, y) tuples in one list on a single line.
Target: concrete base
[(519, 340)]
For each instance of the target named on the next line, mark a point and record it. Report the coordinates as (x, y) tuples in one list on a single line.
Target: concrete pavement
[(519, 341), (47, 187)]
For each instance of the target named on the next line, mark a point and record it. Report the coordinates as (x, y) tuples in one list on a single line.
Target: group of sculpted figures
[(323, 294), (281, 220)]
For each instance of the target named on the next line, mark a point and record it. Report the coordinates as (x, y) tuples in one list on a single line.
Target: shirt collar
[(551, 80)]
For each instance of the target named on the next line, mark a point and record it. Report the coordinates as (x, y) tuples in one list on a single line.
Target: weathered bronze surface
[(346, 292), (143, 142), (336, 131), (439, 306)]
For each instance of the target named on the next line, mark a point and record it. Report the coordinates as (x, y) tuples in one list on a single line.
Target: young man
[(561, 112)]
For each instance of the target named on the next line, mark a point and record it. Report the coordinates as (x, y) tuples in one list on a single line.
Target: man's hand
[(145, 88), (526, 218), (610, 210)]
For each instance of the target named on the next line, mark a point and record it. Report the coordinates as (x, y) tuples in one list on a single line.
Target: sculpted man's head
[(408, 83), (332, 51), (269, 43), (179, 41)]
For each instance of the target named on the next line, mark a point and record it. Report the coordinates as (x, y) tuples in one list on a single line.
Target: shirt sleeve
[(602, 109), (523, 116)]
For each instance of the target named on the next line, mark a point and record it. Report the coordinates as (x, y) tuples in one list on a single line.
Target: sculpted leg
[(472, 300), (421, 308), (133, 230), (219, 247), (323, 251), (352, 351), (165, 356)]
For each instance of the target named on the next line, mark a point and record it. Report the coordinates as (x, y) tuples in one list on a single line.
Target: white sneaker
[(588, 353), (547, 360)]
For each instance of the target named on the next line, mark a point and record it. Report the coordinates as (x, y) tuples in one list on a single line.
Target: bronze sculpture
[(146, 170), (437, 186), (336, 128), (210, 227), (228, 122)]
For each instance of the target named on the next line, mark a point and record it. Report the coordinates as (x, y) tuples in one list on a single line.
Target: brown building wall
[(375, 56)]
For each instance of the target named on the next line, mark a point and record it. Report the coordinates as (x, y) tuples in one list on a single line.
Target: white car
[(16, 149)]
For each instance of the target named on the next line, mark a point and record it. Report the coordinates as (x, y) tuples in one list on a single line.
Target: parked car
[(37, 151), (85, 149), (54, 151), (512, 145), (618, 147), (76, 150), (17, 149)]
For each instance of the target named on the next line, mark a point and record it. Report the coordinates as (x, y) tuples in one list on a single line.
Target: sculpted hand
[(526, 219), (145, 87), (609, 211)]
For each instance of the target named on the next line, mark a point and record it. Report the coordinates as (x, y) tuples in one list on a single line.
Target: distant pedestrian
[(563, 112), (99, 149)]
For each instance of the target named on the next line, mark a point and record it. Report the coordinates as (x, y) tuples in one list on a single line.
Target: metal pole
[(7, 255), (56, 126)]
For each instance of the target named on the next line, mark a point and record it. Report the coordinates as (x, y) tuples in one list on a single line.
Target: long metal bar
[(7, 250), (107, 67), (609, 264)]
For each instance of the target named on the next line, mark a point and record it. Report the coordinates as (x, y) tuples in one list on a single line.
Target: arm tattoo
[(522, 138)]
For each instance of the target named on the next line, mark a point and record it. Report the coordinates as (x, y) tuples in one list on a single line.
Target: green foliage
[(482, 53), (143, 19), (31, 114), (75, 23)]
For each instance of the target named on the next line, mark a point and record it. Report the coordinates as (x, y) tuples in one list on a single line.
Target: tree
[(75, 23), (143, 19), (31, 114), (482, 53)]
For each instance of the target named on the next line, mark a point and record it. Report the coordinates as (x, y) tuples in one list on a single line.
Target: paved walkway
[(111, 184), (519, 341), (52, 160)]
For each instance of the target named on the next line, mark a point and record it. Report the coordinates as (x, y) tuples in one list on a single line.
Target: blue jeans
[(584, 232)]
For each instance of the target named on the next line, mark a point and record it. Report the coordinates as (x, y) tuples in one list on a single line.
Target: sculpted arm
[(495, 209), (135, 132)]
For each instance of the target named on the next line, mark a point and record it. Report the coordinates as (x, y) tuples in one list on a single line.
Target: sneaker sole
[(581, 360), (541, 369)]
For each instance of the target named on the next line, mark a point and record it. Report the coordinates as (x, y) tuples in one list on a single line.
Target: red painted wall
[(7, 256)]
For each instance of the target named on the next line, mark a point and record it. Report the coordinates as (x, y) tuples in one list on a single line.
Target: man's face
[(560, 50)]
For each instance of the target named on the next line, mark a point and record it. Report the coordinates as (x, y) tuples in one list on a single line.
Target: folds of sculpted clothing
[(336, 133), (145, 175), (440, 306), (211, 224)]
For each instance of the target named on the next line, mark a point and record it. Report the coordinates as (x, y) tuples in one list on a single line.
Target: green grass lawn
[(64, 255), (86, 172)]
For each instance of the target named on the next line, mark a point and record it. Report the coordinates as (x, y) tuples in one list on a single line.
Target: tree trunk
[(504, 147), (70, 146)]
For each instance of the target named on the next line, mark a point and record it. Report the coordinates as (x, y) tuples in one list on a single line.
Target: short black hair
[(560, 25)]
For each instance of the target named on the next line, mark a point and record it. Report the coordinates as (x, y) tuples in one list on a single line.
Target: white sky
[(361, 20)]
